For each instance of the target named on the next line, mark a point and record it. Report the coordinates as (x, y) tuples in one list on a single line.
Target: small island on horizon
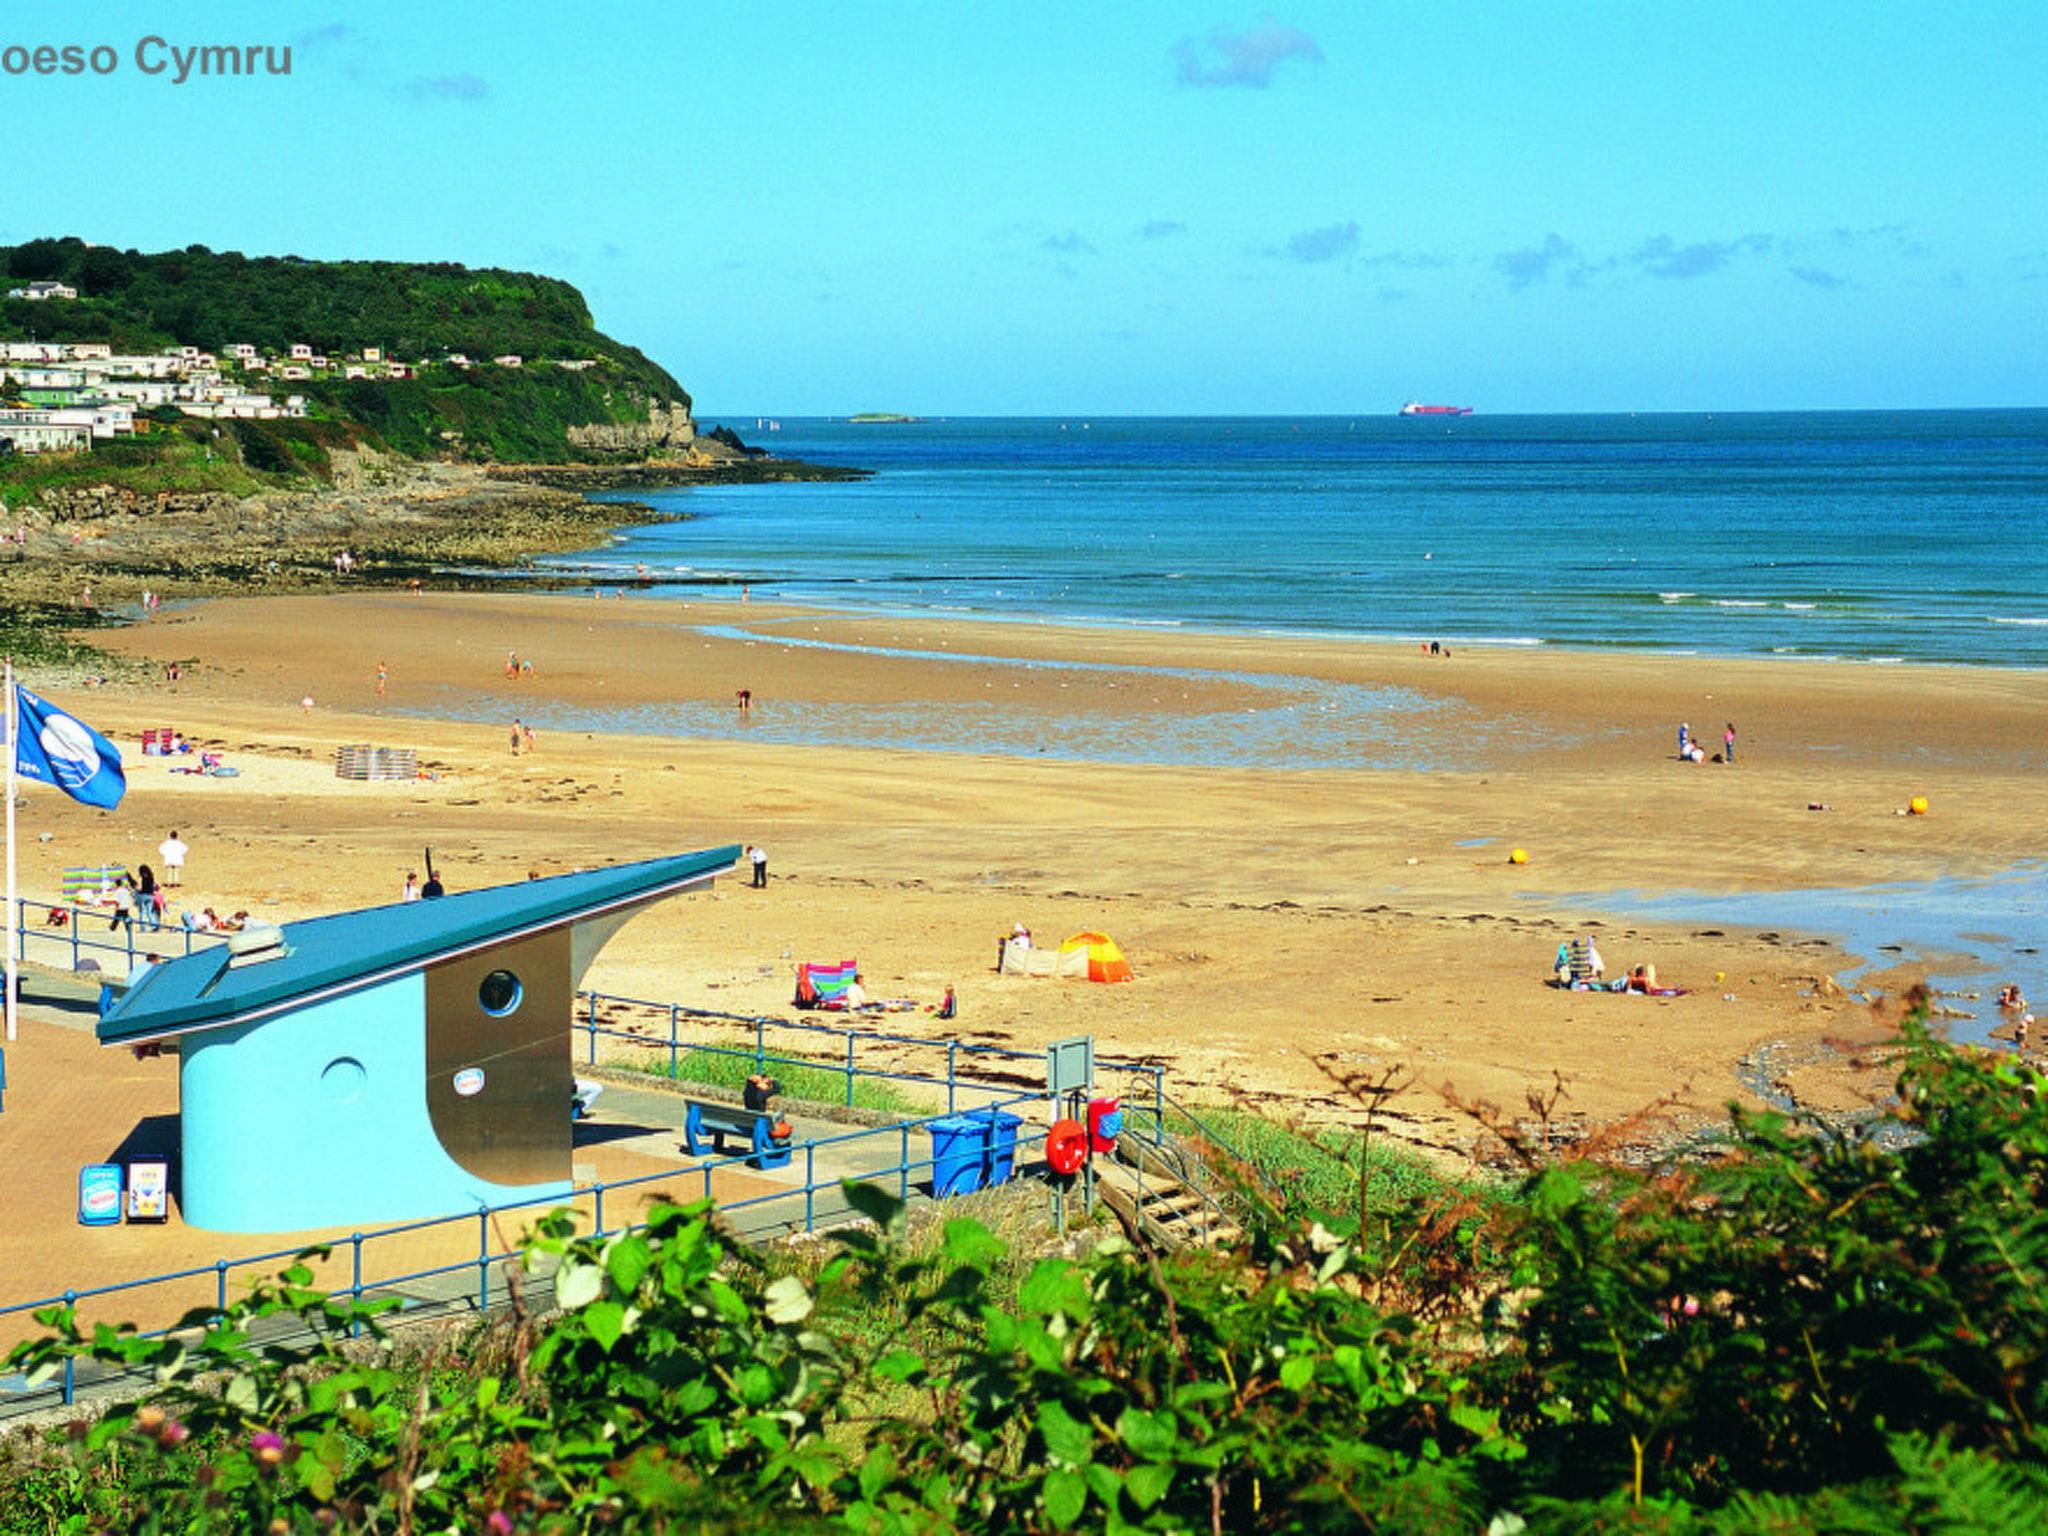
[(875, 418)]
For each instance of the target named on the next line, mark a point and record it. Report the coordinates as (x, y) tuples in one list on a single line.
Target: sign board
[(1070, 1065), (99, 1194), (149, 1189)]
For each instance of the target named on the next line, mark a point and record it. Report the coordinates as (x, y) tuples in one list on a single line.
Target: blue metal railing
[(896, 1172), (63, 947), (844, 1059)]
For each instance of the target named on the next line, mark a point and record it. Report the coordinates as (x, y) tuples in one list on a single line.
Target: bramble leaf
[(1066, 1495)]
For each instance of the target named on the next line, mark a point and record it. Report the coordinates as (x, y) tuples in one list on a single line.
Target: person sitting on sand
[(855, 996), (1642, 978)]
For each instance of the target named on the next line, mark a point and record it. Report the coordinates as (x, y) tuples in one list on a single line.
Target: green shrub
[(1822, 1332)]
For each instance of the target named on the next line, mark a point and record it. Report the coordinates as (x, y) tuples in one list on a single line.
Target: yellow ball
[(1519, 856), (1917, 805)]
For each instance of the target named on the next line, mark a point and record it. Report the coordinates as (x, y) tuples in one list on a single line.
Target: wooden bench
[(706, 1124)]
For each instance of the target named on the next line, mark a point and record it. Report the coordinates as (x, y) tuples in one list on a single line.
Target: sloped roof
[(352, 949)]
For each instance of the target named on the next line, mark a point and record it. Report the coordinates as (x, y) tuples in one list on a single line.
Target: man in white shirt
[(855, 995), (172, 851), (759, 858), (412, 887)]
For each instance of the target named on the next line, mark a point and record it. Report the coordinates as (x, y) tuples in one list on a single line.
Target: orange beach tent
[(1104, 961)]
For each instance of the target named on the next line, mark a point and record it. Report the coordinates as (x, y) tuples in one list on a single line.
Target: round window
[(499, 994)]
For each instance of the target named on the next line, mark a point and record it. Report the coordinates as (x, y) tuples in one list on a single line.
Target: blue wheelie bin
[(959, 1154), (1000, 1127)]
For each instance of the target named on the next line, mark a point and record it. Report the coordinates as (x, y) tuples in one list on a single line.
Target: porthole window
[(499, 994)]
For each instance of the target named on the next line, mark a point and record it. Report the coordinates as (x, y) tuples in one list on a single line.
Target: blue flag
[(55, 748)]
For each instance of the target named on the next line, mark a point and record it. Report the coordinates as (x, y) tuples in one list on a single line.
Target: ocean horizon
[(1872, 536)]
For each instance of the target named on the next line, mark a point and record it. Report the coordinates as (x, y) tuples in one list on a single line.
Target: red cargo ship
[(1417, 408)]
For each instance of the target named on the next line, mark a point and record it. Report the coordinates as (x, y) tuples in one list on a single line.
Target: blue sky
[(817, 209)]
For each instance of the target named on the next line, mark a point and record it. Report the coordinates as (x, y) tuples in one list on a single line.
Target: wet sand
[(1290, 927)]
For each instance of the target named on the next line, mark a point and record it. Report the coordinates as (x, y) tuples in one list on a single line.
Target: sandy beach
[(1289, 928)]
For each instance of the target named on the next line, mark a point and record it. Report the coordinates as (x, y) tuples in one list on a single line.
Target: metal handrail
[(1138, 1154), (1166, 1138), (68, 939), (845, 1061)]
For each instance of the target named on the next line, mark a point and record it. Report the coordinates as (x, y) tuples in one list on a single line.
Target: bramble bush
[(1823, 1331)]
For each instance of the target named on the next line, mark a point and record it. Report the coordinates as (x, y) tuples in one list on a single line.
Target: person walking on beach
[(383, 676), (411, 890), (526, 735), (758, 857), (1684, 740), (172, 851), (518, 728), (746, 699), (124, 905), (1728, 743)]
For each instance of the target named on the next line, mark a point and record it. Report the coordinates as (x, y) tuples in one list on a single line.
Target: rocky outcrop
[(667, 429), (55, 505)]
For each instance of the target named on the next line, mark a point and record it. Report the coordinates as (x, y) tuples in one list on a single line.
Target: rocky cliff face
[(667, 430)]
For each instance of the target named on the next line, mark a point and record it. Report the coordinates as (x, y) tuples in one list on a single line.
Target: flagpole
[(12, 720)]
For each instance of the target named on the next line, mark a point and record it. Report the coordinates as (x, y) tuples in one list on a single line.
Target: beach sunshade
[(1095, 957), (86, 879)]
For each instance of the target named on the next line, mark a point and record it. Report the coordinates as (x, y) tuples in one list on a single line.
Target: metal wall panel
[(512, 1127)]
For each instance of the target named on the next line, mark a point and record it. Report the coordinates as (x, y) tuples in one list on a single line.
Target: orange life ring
[(1066, 1146)]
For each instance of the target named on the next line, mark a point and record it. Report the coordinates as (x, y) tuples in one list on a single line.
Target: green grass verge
[(820, 1084), (1319, 1170)]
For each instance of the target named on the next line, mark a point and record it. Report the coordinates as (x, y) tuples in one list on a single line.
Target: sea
[(1874, 537), (1865, 538)]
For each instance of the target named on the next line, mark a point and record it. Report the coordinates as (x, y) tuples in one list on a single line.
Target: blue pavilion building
[(388, 1064)]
